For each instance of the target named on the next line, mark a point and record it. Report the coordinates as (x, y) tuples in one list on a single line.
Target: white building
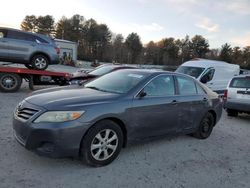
[(68, 48)]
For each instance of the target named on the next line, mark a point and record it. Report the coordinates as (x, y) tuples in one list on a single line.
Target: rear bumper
[(241, 107), (54, 59)]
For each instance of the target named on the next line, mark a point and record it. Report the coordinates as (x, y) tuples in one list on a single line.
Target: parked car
[(108, 113), (237, 95), (33, 50), (81, 76), (215, 74)]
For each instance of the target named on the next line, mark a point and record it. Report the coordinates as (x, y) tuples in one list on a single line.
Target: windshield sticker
[(135, 75)]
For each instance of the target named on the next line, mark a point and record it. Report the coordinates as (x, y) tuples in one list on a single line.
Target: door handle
[(204, 99), (174, 102)]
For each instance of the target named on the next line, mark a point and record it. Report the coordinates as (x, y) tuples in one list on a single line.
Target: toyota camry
[(95, 121)]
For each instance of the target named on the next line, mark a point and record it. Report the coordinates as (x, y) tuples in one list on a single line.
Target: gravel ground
[(223, 160)]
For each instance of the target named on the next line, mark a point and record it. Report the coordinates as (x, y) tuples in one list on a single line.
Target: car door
[(20, 45), (3, 44), (192, 101), (154, 110), (207, 78)]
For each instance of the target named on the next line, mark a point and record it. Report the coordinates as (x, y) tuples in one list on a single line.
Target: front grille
[(26, 113)]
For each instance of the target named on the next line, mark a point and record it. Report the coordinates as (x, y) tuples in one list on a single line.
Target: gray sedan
[(97, 120)]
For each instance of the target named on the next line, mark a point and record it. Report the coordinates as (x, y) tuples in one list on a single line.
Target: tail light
[(57, 50), (225, 94)]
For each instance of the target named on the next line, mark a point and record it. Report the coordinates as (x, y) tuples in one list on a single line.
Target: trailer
[(11, 78)]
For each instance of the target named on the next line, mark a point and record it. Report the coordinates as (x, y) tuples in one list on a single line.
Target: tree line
[(97, 42)]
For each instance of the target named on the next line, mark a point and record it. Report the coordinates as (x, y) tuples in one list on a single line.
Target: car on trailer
[(11, 78), (35, 51)]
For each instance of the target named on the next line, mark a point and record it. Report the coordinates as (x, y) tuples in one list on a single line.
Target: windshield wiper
[(96, 88)]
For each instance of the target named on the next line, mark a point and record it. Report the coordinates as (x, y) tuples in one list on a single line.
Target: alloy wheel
[(40, 62), (104, 144)]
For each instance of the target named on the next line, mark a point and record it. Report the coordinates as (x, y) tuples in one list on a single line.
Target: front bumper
[(50, 139)]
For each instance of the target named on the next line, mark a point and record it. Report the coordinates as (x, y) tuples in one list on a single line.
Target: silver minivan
[(35, 51)]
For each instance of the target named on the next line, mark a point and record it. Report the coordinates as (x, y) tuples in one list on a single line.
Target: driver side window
[(208, 76), (160, 86), (2, 34)]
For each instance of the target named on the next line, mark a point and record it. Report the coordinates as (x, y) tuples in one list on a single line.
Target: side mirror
[(142, 94)]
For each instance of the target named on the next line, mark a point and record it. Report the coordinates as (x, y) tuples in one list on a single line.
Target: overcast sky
[(219, 21)]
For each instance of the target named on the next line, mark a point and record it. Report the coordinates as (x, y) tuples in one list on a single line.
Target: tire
[(96, 149), (10, 82), (232, 113), (205, 128), (40, 62)]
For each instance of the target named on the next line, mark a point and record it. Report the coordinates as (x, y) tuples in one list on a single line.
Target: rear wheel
[(232, 113), (10, 82), (205, 127), (102, 144), (40, 62)]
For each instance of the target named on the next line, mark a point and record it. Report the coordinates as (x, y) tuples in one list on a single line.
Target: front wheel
[(40, 62), (102, 144), (205, 128)]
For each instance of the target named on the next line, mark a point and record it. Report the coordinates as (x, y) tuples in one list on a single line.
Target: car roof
[(28, 32), (152, 72), (206, 63), (116, 65), (242, 76)]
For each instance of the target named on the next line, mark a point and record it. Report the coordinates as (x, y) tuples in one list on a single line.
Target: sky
[(219, 21)]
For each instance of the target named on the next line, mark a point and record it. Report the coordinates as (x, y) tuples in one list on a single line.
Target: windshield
[(191, 71), (116, 82), (101, 71), (240, 82)]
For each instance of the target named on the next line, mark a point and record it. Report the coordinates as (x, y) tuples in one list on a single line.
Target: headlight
[(59, 116)]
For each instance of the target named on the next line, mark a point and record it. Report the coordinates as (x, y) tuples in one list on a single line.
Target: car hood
[(68, 87), (69, 98)]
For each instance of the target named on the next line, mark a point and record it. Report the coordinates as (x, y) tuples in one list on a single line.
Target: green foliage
[(41, 24), (45, 25), (199, 46), (96, 42), (118, 49), (226, 53), (29, 23), (134, 46)]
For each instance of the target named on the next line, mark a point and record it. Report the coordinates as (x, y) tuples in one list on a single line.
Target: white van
[(215, 74)]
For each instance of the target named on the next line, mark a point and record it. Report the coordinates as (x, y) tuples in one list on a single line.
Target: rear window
[(101, 70), (40, 40), (240, 82)]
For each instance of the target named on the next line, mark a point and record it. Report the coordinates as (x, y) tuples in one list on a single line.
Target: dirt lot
[(223, 160)]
